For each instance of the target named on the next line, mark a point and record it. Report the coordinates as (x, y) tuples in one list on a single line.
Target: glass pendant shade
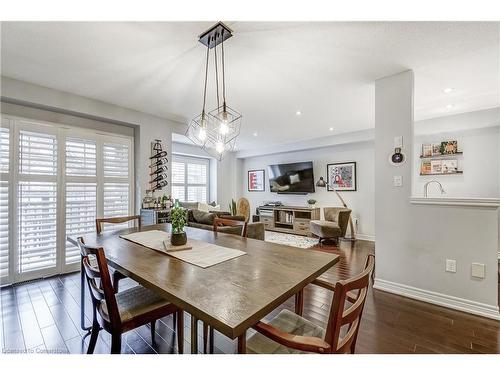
[(215, 131)]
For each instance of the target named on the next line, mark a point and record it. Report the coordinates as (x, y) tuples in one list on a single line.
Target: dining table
[(230, 296)]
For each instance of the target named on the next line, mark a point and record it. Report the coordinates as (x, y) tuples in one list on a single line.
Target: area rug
[(290, 240)]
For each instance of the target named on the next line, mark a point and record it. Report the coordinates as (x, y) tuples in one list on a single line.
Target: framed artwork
[(449, 147), (256, 180), (342, 176)]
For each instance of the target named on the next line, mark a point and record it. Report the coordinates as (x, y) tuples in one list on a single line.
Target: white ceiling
[(325, 70)]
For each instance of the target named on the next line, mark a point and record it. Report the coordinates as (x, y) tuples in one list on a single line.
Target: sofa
[(197, 218)]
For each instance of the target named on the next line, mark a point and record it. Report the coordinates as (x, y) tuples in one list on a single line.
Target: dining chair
[(116, 276), (208, 331), (222, 222), (118, 313), (290, 333)]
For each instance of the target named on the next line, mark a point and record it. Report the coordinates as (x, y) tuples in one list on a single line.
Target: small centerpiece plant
[(178, 217), (311, 202)]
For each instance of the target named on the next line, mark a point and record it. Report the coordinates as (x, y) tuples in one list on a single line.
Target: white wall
[(413, 241), (147, 127), (361, 201), (478, 136)]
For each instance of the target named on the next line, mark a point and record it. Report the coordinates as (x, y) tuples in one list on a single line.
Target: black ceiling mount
[(215, 35)]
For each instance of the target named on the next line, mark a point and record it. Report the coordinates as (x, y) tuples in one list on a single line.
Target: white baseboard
[(365, 237), (472, 307)]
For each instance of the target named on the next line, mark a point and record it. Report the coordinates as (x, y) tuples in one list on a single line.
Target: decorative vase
[(178, 239)]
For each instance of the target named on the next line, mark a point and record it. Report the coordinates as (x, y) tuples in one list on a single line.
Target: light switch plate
[(478, 270), (398, 181), (451, 265)]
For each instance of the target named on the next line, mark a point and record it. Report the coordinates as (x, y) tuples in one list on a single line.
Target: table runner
[(202, 254)]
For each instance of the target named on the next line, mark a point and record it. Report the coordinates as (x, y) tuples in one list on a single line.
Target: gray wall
[(361, 201), (146, 127), (413, 241)]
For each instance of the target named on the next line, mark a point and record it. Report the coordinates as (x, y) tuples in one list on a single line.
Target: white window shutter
[(116, 160), (81, 203), (4, 229), (4, 150), (37, 225)]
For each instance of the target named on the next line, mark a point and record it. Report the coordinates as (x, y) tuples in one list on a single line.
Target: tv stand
[(288, 219)]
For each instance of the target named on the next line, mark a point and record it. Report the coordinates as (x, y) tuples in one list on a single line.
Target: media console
[(288, 219)]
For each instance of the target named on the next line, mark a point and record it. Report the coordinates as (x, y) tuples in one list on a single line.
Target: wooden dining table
[(230, 296)]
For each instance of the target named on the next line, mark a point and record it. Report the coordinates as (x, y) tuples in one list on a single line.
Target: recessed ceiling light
[(298, 113), (255, 134), (450, 106), (331, 129), (448, 90)]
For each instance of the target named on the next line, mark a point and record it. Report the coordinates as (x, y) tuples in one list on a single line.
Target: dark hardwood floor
[(43, 316)]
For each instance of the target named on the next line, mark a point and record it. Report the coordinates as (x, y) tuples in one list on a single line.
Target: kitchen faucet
[(427, 185)]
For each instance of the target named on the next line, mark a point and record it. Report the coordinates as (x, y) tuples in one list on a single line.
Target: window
[(4, 199), (81, 191), (190, 178), (65, 178)]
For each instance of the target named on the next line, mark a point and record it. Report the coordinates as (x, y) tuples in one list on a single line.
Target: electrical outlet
[(478, 270), (451, 265), (398, 181)]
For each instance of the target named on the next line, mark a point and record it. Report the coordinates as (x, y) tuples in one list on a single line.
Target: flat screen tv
[(294, 178)]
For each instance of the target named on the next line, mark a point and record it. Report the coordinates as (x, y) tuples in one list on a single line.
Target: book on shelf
[(426, 150), (425, 167), (450, 166), (436, 166)]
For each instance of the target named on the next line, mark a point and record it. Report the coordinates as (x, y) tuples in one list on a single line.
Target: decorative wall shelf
[(441, 174), (442, 156)]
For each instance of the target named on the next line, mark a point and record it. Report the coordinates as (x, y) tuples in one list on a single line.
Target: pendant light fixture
[(216, 130)]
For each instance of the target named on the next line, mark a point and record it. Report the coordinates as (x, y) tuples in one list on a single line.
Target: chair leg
[(180, 331), (116, 280), (320, 241), (94, 335), (116, 343), (174, 323), (153, 331)]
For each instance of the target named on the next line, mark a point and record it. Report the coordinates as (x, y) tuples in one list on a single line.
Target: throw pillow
[(203, 217), (205, 207)]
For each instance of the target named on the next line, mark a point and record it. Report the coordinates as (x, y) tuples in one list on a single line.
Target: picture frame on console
[(341, 176), (256, 180)]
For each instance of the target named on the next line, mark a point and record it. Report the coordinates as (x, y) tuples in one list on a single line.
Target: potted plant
[(178, 218), (311, 202)]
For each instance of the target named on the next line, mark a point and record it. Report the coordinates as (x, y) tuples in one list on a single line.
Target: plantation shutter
[(116, 183), (81, 192), (190, 178), (37, 201), (4, 229), (4, 202)]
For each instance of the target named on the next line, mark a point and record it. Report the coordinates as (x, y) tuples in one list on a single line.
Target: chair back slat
[(99, 280), (348, 311), (116, 220), (221, 222)]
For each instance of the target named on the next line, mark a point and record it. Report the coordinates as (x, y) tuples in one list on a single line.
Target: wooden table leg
[(211, 340), (299, 302), (242, 343), (194, 335)]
